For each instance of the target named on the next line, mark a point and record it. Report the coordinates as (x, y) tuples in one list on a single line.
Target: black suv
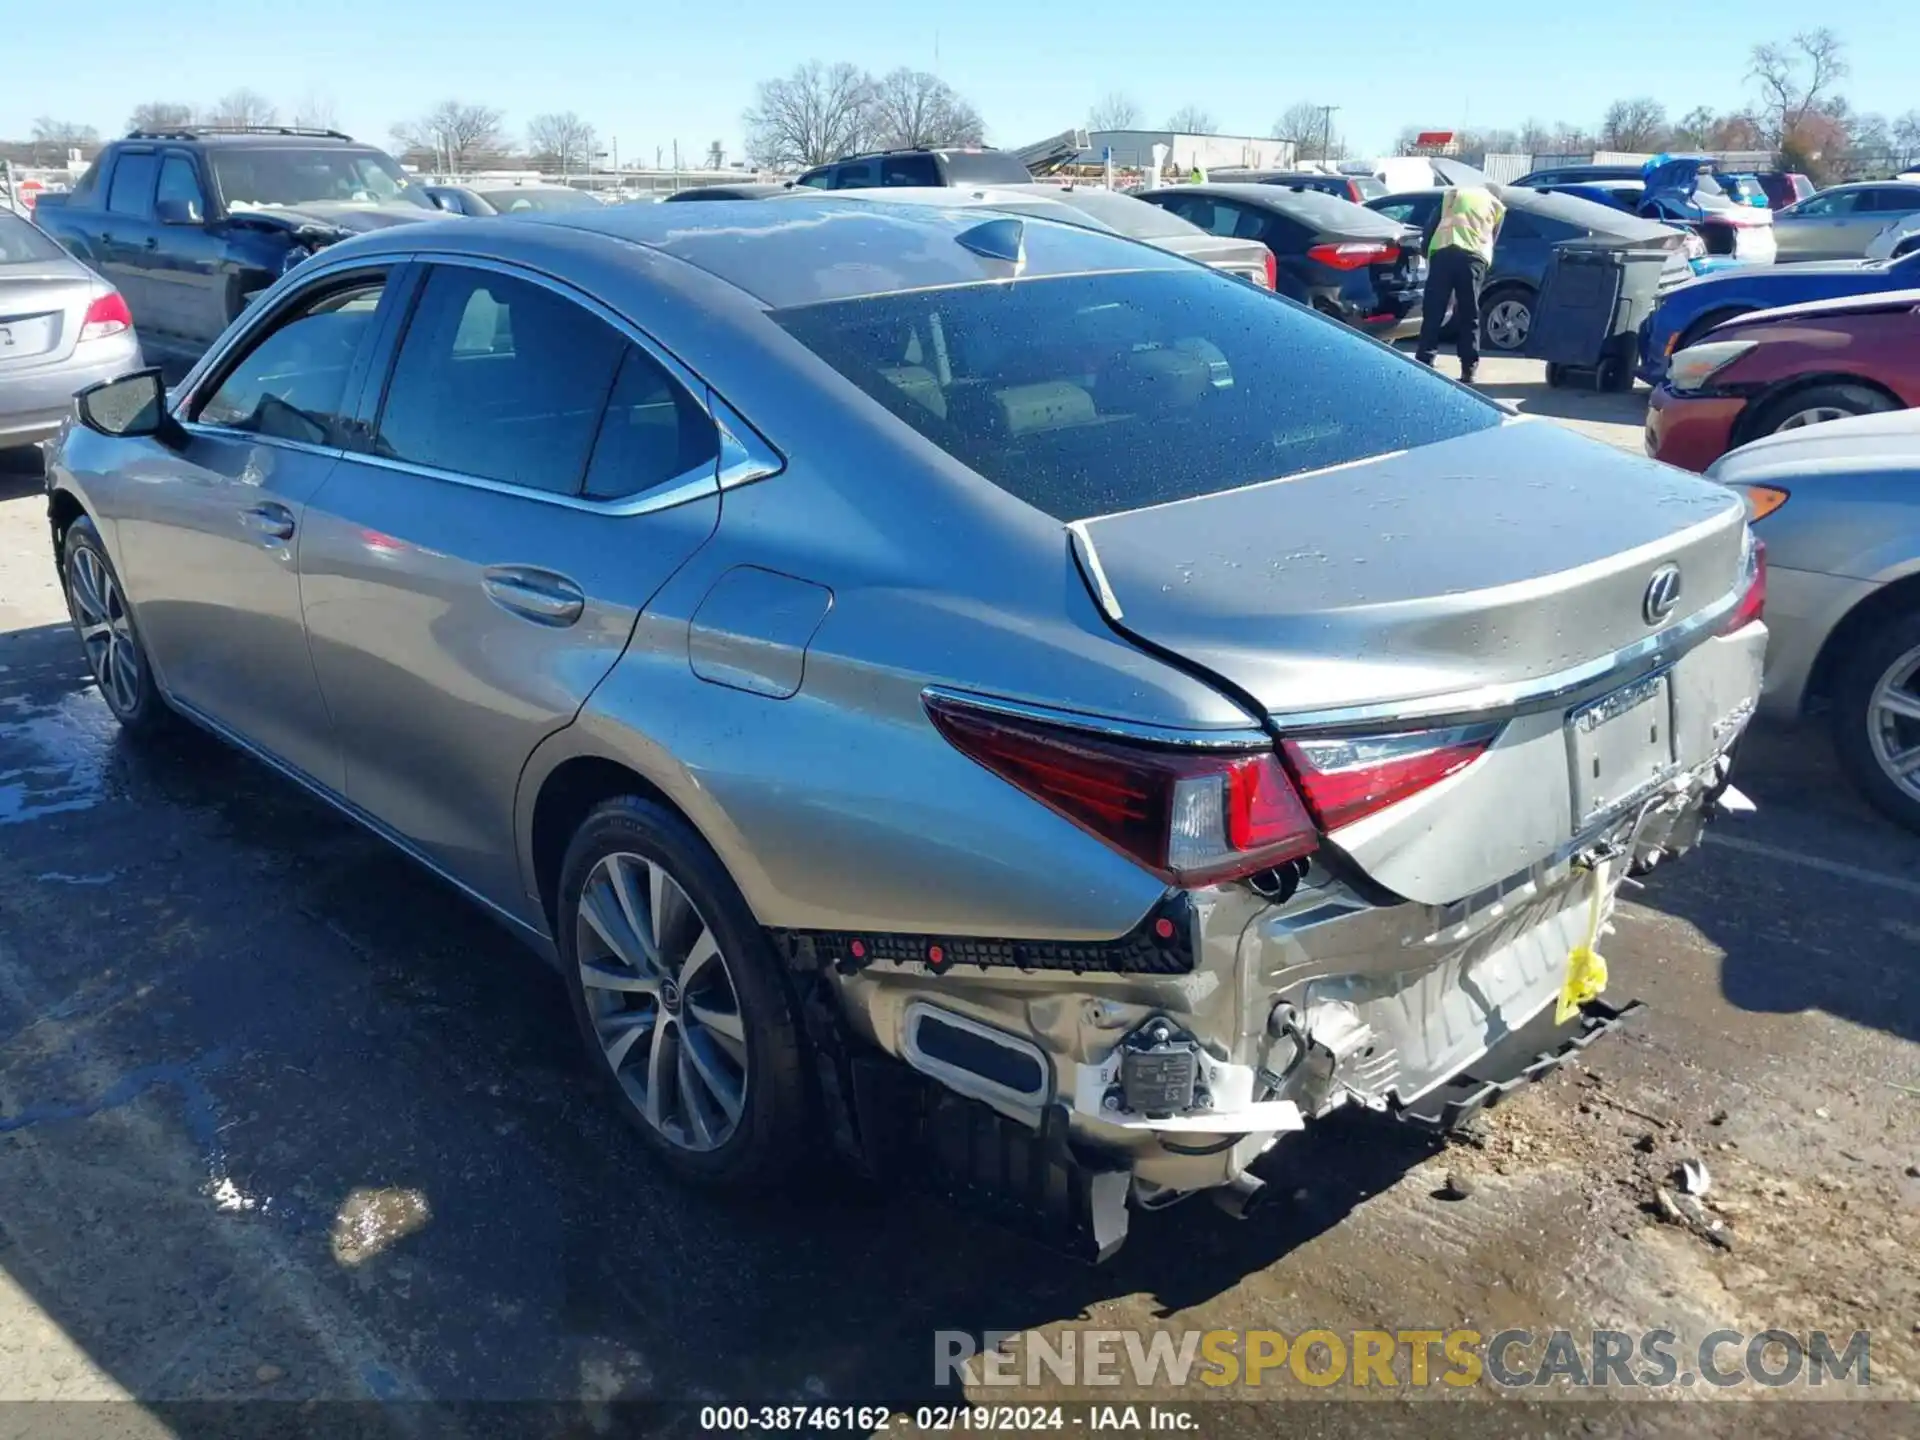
[(917, 167), (192, 223)]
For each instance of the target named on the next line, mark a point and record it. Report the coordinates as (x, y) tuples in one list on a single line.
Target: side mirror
[(177, 212), (130, 407)]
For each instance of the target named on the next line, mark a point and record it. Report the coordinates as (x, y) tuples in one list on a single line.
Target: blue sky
[(651, 74)]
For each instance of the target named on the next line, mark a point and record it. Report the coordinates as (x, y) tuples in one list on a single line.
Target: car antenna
[(997, 240)]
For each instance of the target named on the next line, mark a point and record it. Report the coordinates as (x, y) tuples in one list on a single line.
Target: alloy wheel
[(1812, 415), (100, 613), (1893, 722), (663, 1002), (1508, 322)]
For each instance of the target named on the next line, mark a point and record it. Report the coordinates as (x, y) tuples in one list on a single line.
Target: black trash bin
[(1592, 303)]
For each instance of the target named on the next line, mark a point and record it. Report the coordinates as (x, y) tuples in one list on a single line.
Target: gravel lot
[(281, 1117)]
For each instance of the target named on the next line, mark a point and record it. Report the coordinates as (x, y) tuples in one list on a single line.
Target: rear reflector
[(1343, 779), (1753, 595), (1352, 254), (1190, 818), (1273, 271), (107, 315)]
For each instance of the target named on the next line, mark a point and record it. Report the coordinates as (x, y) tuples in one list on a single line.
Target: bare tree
[(317, 111), (243, 107), (912, 110), (1639, 124), (456, 134), (1906, 135), (160, 115), (818, 113), (1737, 131), (1115, 110), (562, 141), (52, 138), (1191, 120), (1794, 80), (1694, 129), (1299, 123)]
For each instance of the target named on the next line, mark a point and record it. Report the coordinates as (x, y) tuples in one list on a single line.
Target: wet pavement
[(283, 1117)]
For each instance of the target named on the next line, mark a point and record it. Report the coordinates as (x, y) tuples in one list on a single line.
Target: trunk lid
[(41, 310), (1399, 584)]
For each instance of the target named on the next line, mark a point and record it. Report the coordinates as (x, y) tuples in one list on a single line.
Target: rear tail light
[(107, 315), (1273, 271), (1352, 254), (1346, 778), (1191, 818), (1753, 588)]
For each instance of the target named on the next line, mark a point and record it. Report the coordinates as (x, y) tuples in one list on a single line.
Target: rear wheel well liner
[(568, 794), (1894, 598)]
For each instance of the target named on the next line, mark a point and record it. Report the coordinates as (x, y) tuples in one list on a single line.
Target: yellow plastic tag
[(1586, 969)]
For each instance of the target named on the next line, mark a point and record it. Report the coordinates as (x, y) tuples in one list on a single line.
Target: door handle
[(538, 595), (272, 521)]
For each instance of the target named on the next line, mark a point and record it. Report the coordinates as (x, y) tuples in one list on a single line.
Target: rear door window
[(909, 170), (500, 379), (1086, 394), (131, 192), (652, 432), (856, 175)]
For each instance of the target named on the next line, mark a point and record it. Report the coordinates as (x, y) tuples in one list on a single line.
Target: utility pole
[(1326, 130)]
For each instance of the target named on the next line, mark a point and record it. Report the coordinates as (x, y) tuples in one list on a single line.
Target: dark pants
[(1457, 275)]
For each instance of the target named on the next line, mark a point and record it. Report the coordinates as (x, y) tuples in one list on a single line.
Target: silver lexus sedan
[(1044, 714)]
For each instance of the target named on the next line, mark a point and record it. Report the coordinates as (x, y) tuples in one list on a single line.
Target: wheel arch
[(558, 790), (1894, 598), (1744, 428), (63, 508)]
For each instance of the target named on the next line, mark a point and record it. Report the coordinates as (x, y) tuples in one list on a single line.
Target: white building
[(1133, 150)]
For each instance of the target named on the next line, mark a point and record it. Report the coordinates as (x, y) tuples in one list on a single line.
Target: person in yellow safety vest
[(1199, 175), (1458, 256)]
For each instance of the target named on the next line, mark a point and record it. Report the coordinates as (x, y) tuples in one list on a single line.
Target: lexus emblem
[(1663, 594)]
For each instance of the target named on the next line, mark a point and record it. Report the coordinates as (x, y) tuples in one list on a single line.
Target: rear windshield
[(507, 202), (1087, 394), (984, 167), (21, 241), (1125, 214)]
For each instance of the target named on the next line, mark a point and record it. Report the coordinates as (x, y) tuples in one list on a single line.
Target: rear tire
[(1876, 739), (683, 1007), (1506, 319), (103, 618), (1818, 404)]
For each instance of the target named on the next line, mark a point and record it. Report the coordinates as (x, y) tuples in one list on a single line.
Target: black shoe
[(1426, 360), (1466, 375)]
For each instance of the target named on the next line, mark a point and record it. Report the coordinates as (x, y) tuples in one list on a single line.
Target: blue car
[(1688, 311)]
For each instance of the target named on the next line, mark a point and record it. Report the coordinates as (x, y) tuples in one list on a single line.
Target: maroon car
[(1780, 369)]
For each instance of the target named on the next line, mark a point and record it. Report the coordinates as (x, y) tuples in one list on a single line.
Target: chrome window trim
[(1106, 727), (226, 432), (679, 490), (744, 456), (1646, 654)]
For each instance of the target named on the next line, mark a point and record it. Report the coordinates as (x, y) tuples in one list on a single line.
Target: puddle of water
[(53, 758), (372, 1220)]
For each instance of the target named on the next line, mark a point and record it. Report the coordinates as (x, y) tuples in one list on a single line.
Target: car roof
[(753, 190), (1568, 209), (1314, 207), (810, 249), (277, 137)]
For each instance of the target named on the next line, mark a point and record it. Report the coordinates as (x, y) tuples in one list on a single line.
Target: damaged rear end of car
[(1486, 669)]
